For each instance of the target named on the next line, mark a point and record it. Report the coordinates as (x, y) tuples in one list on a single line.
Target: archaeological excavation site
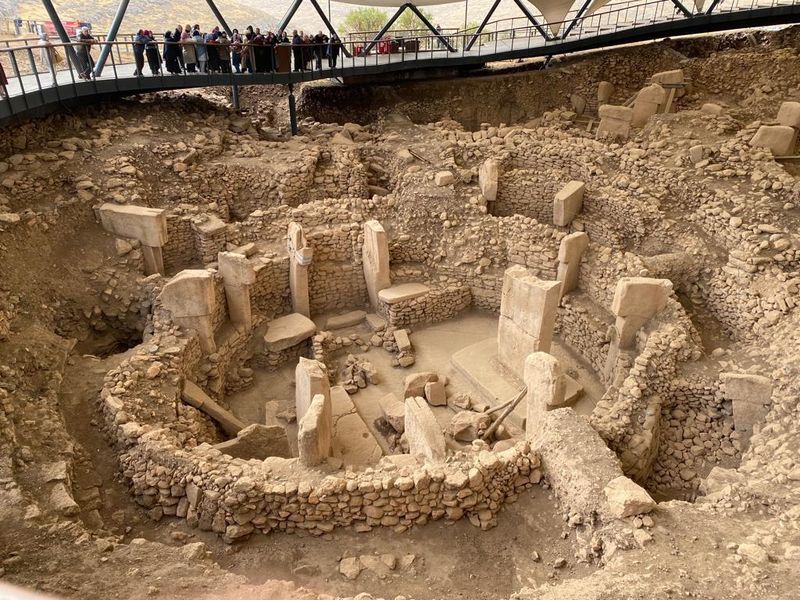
[(531, 333)]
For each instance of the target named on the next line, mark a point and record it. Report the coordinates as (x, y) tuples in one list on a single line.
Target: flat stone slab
[(403, 291), (353, 442), (494, 384), (288, 331), (346, 320)]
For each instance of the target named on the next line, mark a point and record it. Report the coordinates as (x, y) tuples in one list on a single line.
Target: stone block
[(640, 296), (315, 431), (402, 340), (404, 291), (649, 101), (789, 114), (781, 140), (568, 202), (257, 442), (148, 225), (194, 396), (673, 77), (394, 412), (615, 121), (300, 257), (578, 463), (709, 108), (414, 384), (311, 378), (751, 397), (424, 436), (349, 319), (547, 384), (375, 255), (443, 178), (288, 331), (570, 253), (236, 269), (376, 322), (605, 89), (435, 393), (190, 294), (626, 499), (488, 175), (527, 316), (468, 426)]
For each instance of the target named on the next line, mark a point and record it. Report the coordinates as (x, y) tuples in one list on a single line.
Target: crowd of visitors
[(189, 50)]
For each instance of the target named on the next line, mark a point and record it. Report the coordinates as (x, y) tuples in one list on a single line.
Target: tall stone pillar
[(190, 297), (375, 254), (570, 253), (315, 432), (547, 387), (148, 225), (636, 301), (311, 378), (527, 317), (300, 256), (238, 275)]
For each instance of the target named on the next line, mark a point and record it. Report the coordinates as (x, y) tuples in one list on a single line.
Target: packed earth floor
[(531, 334)]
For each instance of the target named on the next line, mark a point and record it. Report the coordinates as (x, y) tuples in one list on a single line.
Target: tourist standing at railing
[(200, 49), (171, 52), (211, 50), (247, 49), (176, 37), (84, 53), (308, 52), (139, 43), (334, 47), (236, 51), (151, 51), (48, 55), (224, 50), (270, 42), (297, 51), (320, 48), (189, 50)]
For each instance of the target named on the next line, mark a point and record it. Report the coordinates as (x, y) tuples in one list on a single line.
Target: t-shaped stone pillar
[(375, 254), (311, 378), (315, 432), (148, 225), (238, 275), (547, 386), (569, 260), (636, 301), (300, 255), (190, 297), (527, 317)]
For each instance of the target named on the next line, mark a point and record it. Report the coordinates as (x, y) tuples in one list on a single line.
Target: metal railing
[(36, 77)]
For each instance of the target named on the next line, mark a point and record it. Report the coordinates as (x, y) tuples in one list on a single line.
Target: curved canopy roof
[(553, 11)]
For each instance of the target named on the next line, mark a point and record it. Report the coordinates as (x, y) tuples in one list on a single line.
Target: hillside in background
[(158, 15)]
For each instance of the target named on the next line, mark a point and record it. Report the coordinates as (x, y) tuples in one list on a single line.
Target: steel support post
[(430, 26), (328, 24), (62, 33), (112, 35), (532, 19), (714, 5), (386, 28), (219, 17), (483, 24), (235, 96), (289, 15), (292, 110), (686, 12), (576, 19)]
